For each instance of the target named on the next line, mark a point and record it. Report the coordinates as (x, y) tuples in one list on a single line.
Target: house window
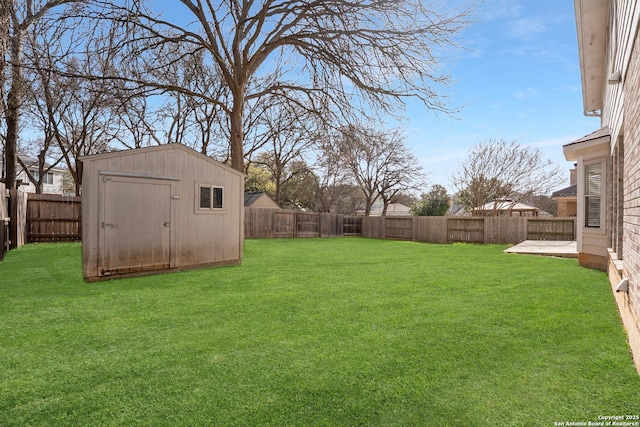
[(210, 197), (47, 179), (592, 195)]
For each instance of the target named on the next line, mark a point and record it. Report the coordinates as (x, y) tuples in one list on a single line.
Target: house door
[(135, 228)]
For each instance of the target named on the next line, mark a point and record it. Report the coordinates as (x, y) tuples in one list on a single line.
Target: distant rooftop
[(570, 191)]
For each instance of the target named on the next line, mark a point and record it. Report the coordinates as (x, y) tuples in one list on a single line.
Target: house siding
[(631, 174), (567, 208), (620, 117)]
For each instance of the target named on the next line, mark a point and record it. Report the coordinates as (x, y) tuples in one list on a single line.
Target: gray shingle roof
[(570, 191), (251, 197)]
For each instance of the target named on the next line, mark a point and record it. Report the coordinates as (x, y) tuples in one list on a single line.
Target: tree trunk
[(77, 177), (14, 100), (13, 219), (6, 7), (278, 179), (237, 135)]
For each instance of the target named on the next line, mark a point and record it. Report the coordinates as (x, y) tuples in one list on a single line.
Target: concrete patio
[(564, 249)]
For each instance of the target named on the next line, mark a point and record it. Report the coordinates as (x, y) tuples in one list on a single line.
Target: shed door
[(136, 225)]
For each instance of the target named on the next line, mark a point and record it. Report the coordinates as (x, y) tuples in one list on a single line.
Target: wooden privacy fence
[(53, 218), (269, 223), (4, 221), (262, 223), (511, 230), (13, 204)]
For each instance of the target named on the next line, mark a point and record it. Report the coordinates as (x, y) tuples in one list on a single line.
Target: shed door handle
[(167, 224), (108, 224)]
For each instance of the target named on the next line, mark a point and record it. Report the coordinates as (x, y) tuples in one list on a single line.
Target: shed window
[(210, 197), (592, 195)]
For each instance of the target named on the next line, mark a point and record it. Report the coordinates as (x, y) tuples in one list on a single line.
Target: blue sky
[(519, 80)]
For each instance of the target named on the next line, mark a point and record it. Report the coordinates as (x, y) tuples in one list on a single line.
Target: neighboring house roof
[(570, 191), (507, 205), (33, 163), (259, 199), (456, 209), (30, 162), (394, 209)]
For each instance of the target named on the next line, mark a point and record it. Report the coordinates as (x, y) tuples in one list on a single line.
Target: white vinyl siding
[(47, 179)]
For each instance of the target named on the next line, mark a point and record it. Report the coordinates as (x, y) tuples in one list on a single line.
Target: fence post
[(13, 219), (3, 238), (484, 230), (384, 226)]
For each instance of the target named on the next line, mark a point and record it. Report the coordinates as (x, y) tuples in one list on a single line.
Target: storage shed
[(159, 208)]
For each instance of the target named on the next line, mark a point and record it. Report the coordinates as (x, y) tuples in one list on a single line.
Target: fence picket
[(53, 218)]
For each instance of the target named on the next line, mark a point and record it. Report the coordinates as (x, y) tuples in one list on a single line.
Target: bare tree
[(501, 172), (22, 16), (333, 186), (189, 120), (400, 171), (139, 122), (372, 54), (78, 114), (6, 8), (15, 20), (43, 45), (290, 132), (379, 162)]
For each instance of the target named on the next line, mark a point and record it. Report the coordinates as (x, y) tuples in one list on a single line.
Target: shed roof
[(168, 147)]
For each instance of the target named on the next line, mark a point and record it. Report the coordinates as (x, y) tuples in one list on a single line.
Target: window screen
[(210, 197), (217, 198), (593, 176), (205, 197)]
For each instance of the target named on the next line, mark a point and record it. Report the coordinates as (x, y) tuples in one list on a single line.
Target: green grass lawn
[(314, 332)]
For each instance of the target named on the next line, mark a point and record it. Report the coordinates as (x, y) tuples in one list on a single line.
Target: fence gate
[(284, 224), (352, 226), (551, 229), (468, 230), (307, 224), (53, 218), (398, 228)]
